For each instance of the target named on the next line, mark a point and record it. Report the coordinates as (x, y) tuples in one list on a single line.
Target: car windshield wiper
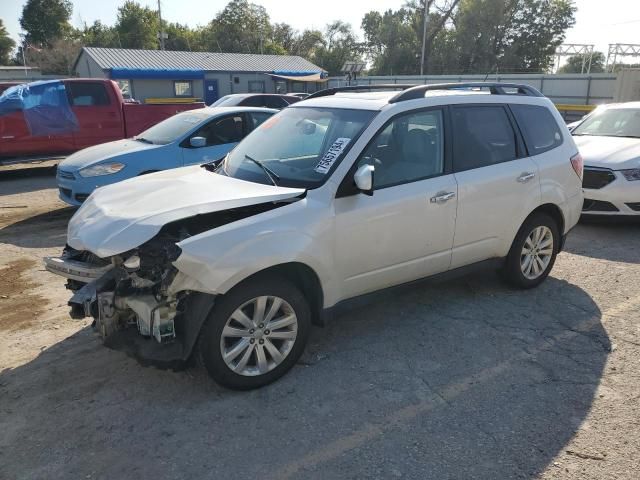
[(273, 176), (142, 139)]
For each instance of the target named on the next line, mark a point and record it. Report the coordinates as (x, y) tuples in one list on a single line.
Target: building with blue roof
[(160, 75)]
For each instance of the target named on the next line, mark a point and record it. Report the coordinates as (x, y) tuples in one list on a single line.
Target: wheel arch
[(554, 212), (302, 276)]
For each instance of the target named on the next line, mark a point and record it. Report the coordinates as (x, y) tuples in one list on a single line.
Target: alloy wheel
[(537, 252), (259, 335)]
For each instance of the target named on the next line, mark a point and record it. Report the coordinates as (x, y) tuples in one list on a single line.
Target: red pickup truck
[(52, 119)]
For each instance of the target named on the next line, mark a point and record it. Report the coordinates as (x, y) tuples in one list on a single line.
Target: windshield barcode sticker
[(334, 152)]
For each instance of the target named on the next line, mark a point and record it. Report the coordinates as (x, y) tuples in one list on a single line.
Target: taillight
[(578, 164)]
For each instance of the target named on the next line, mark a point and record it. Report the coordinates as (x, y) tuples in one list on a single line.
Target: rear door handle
[(442, 197), (525, 177)]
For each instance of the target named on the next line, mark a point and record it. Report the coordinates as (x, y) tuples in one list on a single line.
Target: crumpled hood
[(105, 151), (616, 153), (122, 216)]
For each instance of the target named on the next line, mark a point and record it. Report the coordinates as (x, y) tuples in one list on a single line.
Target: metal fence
[(572, 89)]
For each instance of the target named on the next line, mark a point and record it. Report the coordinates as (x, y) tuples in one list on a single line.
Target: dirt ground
[(460, 380)]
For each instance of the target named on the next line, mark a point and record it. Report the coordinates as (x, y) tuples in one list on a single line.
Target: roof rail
[(412, 91), (361, 88), (494, 88)]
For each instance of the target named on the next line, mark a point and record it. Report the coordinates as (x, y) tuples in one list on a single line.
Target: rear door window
[(539, 128), (483, 136), (87, 94)]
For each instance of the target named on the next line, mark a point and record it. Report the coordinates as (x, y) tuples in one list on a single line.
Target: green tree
[(392, 41), (99, 35), (6, 44), (468, 36), (180, 37), (394, 38), (284, 35), (307, 44), (339, 45), (46, 21), (137, 26), (575, 62), (241, 27), (537, 28), (507, 35)]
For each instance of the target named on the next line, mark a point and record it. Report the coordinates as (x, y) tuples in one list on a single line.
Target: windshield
[(171, 129), (612, 122), (298, 146)]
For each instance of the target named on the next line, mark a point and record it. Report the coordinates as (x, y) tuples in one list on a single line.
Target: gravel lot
[(459, 380)]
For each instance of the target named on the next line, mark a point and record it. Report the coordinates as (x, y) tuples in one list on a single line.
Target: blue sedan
[(192, 137)]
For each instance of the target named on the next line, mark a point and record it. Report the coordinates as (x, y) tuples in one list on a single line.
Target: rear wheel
[(533, 251), (255, 333)]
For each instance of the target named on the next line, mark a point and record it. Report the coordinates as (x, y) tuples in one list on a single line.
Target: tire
[(222, 333), (520, 268)]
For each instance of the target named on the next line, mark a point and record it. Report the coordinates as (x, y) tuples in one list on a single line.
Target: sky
[(599, 22)]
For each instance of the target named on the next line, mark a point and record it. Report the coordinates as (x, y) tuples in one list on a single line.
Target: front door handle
[(442, 197), (525, 177)]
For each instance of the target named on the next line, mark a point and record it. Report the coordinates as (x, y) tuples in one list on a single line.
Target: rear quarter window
[(539, 128)]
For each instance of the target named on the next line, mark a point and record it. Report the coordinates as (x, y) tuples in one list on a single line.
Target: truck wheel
[(255, 333), (533, 252)]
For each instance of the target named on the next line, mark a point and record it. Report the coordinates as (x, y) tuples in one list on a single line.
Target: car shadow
[(465, 379), (607, 239), (28, 179), (44, 230)]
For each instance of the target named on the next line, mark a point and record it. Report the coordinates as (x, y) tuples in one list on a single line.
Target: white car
[(609, 141), (236, 261)]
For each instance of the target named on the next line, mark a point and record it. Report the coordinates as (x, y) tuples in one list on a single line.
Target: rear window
[(87, 94), (539, 128)]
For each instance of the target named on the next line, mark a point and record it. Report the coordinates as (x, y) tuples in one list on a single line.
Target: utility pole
[(161, 35), (424, 35), (24, 60)]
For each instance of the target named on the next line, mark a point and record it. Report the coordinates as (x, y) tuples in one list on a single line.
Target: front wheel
[(533, 251), (255, 333)]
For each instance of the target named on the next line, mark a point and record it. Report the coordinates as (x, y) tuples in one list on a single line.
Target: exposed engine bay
[(125, 290), (133, 290)]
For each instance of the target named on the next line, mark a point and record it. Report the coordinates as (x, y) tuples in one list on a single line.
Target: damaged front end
[(139, 300), (123, 248), (130, 291)]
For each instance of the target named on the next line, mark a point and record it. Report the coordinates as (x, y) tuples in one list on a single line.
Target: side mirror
[(363, 179), (198, 142)]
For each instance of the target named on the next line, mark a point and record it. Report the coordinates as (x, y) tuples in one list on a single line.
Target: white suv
[(337, 196)]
